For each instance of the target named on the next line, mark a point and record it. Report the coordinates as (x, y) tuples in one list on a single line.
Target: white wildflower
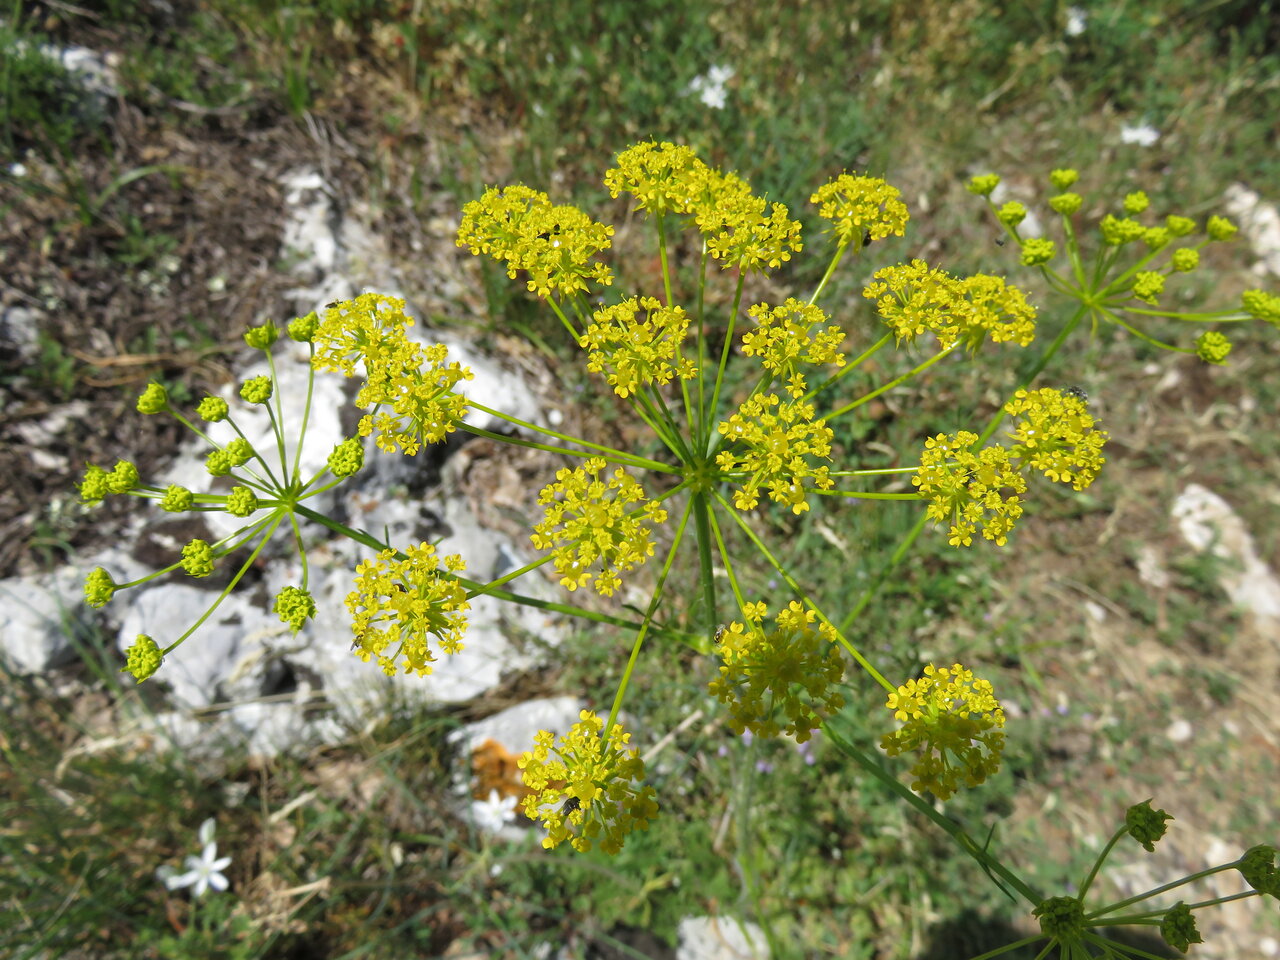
[(1144, 135), (710, 87), (1077, 20), (493, 814), (203, 872)]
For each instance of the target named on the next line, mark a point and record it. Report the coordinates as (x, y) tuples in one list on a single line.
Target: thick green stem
[(706, 572), (648, 619)]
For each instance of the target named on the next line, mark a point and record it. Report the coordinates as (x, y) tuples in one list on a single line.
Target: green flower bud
[(1185, 260), (347, 458), (1061, 179), (1066, 203), (93, 487), (99, 588), (153, 399), (239, 451), (1213, 347), (176, 499), (1060, 916), (1179, 927), (257, 390), (1180, 226), (218, 463), (1037, 250), (1011, 214), (303, 329), (1136, 202), (212, 409), (983, 185), (197, 558), (1145, 824), (1258, 867), (123, 478), (1148, 285), (1220, 228), (1156, 237), (143, 658), (1116, 231), (1261, 305), (295, 607), (260, 338), (241, 502)]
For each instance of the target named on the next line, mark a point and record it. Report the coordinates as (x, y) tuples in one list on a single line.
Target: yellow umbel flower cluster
[(785, 336), (554, 244), (663, 177), (861, 205), (408, 388), (775, 444), (952, 720), (398, 606), (912, 298), (635, 352), (794, 667), (744, 230), (968, 489), (1055, 434), (590, 527), (587, 788)]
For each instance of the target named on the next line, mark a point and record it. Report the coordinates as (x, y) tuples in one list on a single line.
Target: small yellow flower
[(594, 526), (663, 177), (637, 352), (786, 336), (775, 444), (744, 230), (794, 667), (555, 245), (415, 402), (968, 489), (953, 721), (1055, 434), (587, 788), (857, 205), (398, 606), (912, 298)]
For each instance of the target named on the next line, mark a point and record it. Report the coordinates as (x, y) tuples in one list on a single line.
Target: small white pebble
[(1178, 732), (1269, 946)]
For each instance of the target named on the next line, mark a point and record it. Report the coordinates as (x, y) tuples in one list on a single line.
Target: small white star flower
[(1077, 20), (493, 814), (203, 872)]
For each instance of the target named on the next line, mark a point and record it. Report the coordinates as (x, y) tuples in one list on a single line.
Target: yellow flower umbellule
[(773, 446), (793, 669), (400, 607), (953, 723), (635, 351), (587, 788), (598, 524)]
